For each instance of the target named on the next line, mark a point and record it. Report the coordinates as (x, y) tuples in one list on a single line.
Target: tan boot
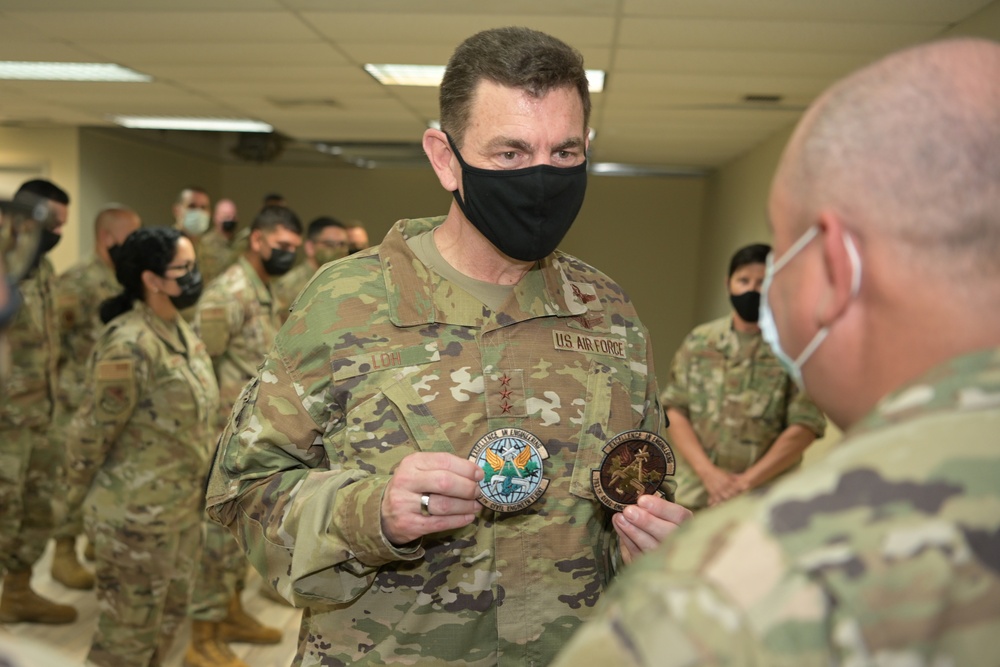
[(66, 569), (240, 626), (20, 604), (207, 650)]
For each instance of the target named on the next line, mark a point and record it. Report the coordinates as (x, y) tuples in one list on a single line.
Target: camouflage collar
[(261, 291), (965, 383), (417, 295), (175, 337)]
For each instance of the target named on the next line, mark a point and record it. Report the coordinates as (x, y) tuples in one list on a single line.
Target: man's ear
[(254, 240), (838, 268), (439, 152)]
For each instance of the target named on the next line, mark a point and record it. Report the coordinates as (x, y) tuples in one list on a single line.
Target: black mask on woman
[(279, 263), (524, 213), (747, 305), (191, 286)]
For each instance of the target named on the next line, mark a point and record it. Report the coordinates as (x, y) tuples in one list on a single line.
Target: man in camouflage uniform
[(192, 217), (215, 252), (326, 240), (30, 475), (237, 318), (736, 418), (886, 218), (79, 293), (357, 235), (345, 469)]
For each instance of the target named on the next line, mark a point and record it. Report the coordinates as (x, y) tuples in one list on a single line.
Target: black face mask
[(47, 242), (747, 305), (228, 226), (191, 286), (279, 263), (524, 213)]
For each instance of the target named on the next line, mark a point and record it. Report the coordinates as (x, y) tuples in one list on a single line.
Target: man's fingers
[(439, 505)]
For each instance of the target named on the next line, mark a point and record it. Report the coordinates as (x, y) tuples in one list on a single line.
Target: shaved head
[(117, 220), (909, 149)]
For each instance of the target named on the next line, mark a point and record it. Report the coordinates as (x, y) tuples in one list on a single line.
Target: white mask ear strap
[(855, 257), (796, 247)]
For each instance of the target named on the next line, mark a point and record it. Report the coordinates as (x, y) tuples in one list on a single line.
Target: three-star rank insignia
[(635, 463), (513, 461)]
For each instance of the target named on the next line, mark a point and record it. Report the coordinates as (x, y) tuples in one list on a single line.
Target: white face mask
[(196, 221), (769, 330)]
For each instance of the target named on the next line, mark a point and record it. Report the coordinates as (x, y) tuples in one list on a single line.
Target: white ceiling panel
[(182, 27), (860, 11), (789, 36)]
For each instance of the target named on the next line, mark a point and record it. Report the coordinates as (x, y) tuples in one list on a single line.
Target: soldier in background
[(882, 299), (31, 495), (139, 449), (357, 235), (238, 319), (215, 252), (736, 418), (345, 470), (79, 293), (326, 240)]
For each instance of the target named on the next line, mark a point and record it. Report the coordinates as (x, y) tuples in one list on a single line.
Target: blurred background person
[(215, 252), (737, 420), (358, 236), (140, 448), (326, 240), (79, 293), (238, 319), (31, 494)]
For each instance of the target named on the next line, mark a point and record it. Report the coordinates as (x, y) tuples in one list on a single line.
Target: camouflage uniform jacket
[(883, 553), (381, 358), (215, 255), (288, 286), (143, 433), (237, 320), (79, 293), (738, 399), (28, 391)]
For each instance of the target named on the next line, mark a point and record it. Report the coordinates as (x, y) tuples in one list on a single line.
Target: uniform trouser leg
[(30, 489), (221, 573), (143, 589), (72, 522)]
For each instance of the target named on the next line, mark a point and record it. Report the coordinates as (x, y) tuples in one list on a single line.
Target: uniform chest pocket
[(607, 412), (392, 423)]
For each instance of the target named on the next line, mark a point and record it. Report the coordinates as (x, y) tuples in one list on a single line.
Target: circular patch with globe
[(513, 463)]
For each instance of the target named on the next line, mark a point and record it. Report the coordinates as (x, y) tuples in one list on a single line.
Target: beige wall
[(51, 153), (142, 176)]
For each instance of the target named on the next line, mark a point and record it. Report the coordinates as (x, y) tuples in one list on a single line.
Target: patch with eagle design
[(635, 463), (513, 461)]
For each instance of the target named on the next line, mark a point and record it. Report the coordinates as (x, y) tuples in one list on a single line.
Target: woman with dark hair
[(142, 444)]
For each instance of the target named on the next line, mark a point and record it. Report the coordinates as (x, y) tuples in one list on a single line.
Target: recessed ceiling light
[(199, 124), (431, 75), (41, 71)]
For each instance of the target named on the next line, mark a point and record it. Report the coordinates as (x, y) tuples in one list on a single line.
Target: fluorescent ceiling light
[(31, 71), (430, 75), (202, 124)]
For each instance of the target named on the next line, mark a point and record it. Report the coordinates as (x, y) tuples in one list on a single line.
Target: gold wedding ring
[(425, 504)]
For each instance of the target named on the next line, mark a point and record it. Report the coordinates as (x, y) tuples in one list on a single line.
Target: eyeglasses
[(333, 245), (187, 267)]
